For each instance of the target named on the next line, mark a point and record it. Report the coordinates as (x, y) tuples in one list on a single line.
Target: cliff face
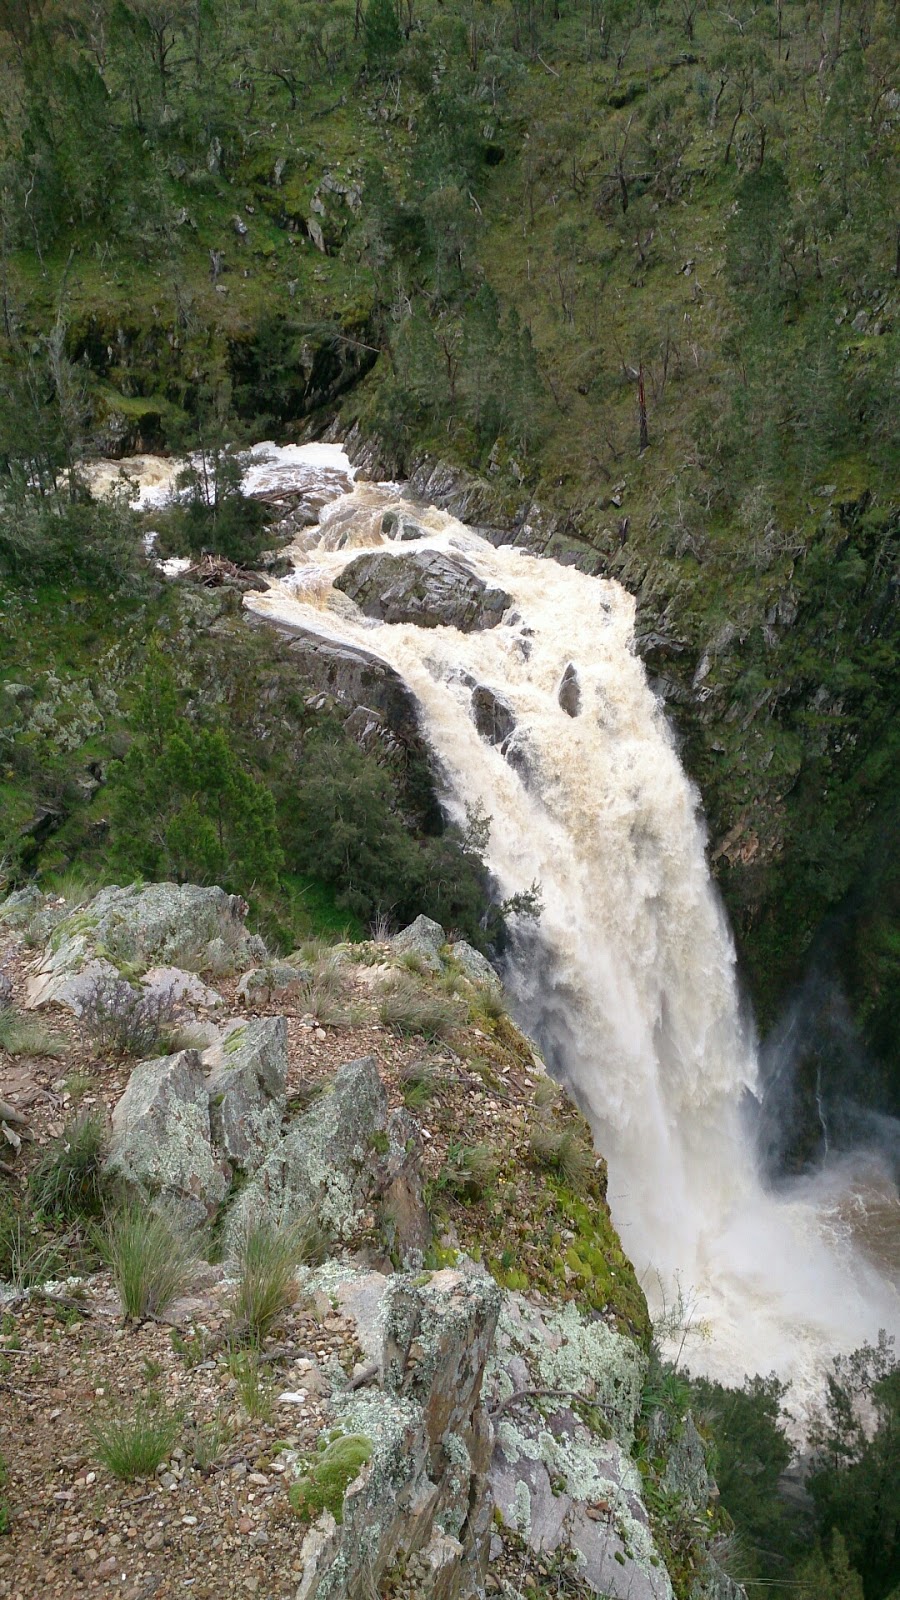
[(451, 1402)]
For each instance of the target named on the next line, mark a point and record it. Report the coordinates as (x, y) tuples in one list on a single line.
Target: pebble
[(245, 1525)]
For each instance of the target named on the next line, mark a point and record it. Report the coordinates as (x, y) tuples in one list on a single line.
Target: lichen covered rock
[(246, 1088), (566, 1393), (337, 1161), (130, 930), (161, 1143), (423, 1493), (423, 938)]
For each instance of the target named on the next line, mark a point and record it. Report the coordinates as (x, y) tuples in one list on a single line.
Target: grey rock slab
[(424, 587), (277, 980), (326, 1163), (161, 1142), (475, 966), (246, 1087), (423, 938), (140, 927), (180, 987)]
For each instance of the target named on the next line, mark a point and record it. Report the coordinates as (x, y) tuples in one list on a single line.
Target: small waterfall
[(628, 984)]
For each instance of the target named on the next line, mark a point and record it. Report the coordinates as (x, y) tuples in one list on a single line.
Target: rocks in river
[(569, 692), (424, 587), (355, 677), (494, 716), (396, 524)]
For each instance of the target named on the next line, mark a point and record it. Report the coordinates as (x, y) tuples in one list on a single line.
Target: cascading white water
[(629, 984)]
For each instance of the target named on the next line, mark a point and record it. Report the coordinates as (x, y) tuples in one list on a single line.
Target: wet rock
[(356, 678), (161, 1143), (246, 1088), (336, 1161), (424, 1488), (398, 525), (423, 938), (494, 716), (159, 924), (424, 587), (569, 692)]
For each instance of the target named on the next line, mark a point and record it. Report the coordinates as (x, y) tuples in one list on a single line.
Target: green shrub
[(134, 1446), (152, 1260), (409, 1007), (68, 1179), (324, 1486)]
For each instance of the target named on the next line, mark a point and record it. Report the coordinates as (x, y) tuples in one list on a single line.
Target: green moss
[(323, 1487)]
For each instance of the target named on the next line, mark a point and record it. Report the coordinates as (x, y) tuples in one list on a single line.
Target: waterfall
[(628, 983)]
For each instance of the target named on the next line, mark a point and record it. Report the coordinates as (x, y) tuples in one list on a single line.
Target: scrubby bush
[(121, 1020)]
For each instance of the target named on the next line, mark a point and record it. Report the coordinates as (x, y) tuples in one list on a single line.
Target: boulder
[(423, 1493), (569, 692), (475, 966), (180, 987), (396, 524), (494, 716), (423, 938), (277, 980), (340, 1160), (246, 1086), (558, 1483), (424, 587), (6, 991), (161, 1143), (354, 677), (139, 928)]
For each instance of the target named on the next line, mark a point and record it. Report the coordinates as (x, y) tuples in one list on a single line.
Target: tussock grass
[(68, 1179), (563, 1150), (546, 1093), (210, 1440), (420, 1081), (470, 1170), (152, 1260), (29, 1036), (409, 1007), (267, 1259), (27, 1257), (133, 1446), (76, 886), (256, 1392)]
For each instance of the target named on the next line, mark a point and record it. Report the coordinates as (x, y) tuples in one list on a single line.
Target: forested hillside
[(637, 263)]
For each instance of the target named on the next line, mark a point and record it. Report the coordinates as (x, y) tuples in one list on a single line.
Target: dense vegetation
[(837, 1538)]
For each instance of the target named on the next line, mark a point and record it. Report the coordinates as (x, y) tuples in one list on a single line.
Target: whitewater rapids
[(629, 983)]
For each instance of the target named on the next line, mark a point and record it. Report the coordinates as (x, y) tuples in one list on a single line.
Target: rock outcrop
[(424, 587), (246, 1089), (347, 1154), (136, 928), (161, 1141), (422, 1498), (494, 716)]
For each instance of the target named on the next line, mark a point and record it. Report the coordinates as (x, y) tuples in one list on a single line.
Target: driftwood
[(9, 1114)]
